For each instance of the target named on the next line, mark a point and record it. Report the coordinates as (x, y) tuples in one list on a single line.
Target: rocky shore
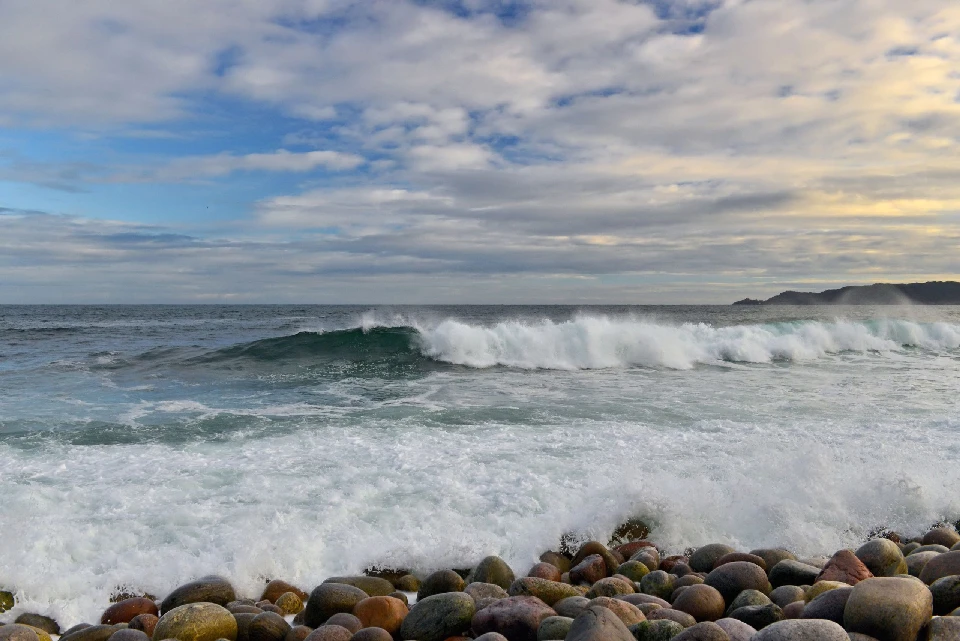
[(889, 589)]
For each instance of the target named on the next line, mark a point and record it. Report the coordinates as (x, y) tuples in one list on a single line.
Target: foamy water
[(472, 433)]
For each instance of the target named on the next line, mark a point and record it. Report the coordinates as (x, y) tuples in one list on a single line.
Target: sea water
[(142, 447)]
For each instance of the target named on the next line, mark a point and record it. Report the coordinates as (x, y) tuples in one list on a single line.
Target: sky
[(473, 151)]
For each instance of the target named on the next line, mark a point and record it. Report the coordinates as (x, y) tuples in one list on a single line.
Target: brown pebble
[(793, 610), (381, 612), (741, 556), (401, 596), (330, 633), (129, 635), (408, 583), (298, 633), (546, 571), (702, 602), (125, 611), (145, 623), (372, 634), (345, 620), (276, 588), (289, 603)]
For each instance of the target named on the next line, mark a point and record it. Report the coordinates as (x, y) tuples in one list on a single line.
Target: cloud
[(543, 139)]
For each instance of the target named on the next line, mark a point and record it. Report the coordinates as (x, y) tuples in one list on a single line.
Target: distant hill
[(932, 293)]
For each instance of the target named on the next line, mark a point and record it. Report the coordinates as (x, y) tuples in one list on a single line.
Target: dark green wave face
[(381, 351)]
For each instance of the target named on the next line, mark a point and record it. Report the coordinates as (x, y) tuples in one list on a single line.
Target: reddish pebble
[(546, 571), (144, 622), (127, 609)]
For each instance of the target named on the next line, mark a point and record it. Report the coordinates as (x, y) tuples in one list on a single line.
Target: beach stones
[(630, 530), (758, 616), (669, 614), (547, 591), (518, 617), (597, 623), (633, 570), (702, 602), (741, 556), (91, 633), (345, 620), (545, 571), (126, 610), (485, 593), (277, 588), (438, 616), (657, 630), (704, 558), (610, 560), (790, 572), (590, 570), (944, 629), (704, 631), (297, 633), (737, 630), (882, 557), (18, 632), (289, 603), (557, 560), (626, 612), (772, 556), (408, 583), (209, 589), (944, 565), (730, 579), (244, 619), (611, 587), (787, 594), (829, 605), (40, 622), (381, 612), (918, 560), (944, 536), (328, 599), (145, 623), (6, 600), (649, 557), (372, 634), (844, 566), (372, 585), (571, 606), (330, 633), (658, 583), (197, 622), (440, 582), (890, 609), (946, 594), (129, 635), (493, 570), (748, 597), (268, 626), (554, 628), (802, 630)]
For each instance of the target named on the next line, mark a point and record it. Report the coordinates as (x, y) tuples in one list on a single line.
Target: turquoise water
[(144, 446)]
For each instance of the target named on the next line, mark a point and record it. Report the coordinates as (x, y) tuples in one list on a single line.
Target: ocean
[(144, 446)]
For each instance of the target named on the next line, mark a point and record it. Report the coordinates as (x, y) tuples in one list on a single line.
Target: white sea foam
[(854, 426), (599, 342)]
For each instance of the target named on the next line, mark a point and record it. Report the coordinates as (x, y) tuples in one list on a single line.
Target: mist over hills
[(930, 293)]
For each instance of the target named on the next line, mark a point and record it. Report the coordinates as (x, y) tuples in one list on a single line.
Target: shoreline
[(628, 586)]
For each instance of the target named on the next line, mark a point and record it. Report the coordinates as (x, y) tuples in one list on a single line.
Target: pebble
[(440, 582), (571, 606), (791, 572), (659, 630), (741, 556), (758, 616), (704, 631), (328, 599), (209, 589), (702, 602), (802, 630), (126, 610), (658, 583), (730, 579), (598, 624), (493, 570), (144, 622), (882, 557), (546, 571), (704, 558), (518, 617), (547, 591), (438, 616), (786, 594), (737, 630), (554, 628), (829, 605), (345, 620), (330, 633), (268, 626), (372, 634), (18, 632), (277, 588), (195, 622), (944, 565), (41, 622), (669, 614), (944, 536), (129, 635), (890, 609), (845, 567), (372, 585), (381, 612), (946, 594)]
